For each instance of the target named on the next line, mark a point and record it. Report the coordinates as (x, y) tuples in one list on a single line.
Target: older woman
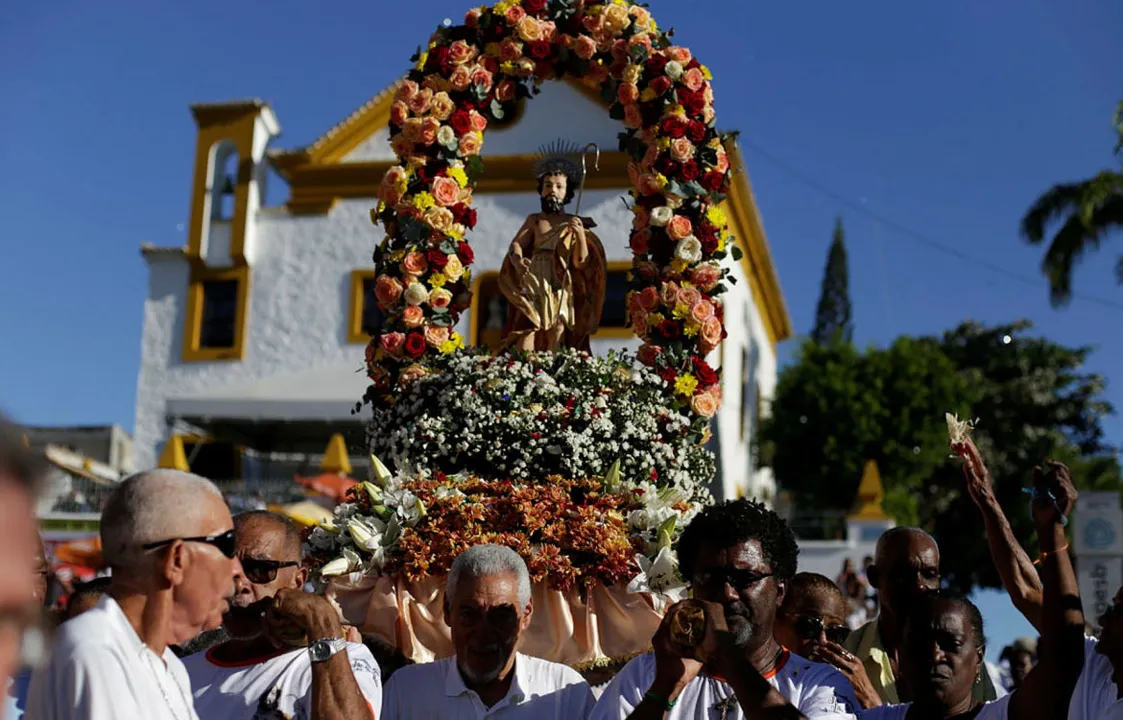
[(944, 642)]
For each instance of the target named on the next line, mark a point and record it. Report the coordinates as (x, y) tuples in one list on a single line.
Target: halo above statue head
[(559, 156)]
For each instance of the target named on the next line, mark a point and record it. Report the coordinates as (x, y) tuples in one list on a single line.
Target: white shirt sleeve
[(367, 674), (831, 696), (626, 690), (84, 686)]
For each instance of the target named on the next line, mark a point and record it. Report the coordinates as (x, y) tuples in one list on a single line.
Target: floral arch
[(595, 519)]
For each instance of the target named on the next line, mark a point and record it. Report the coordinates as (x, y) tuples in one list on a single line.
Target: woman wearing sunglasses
[(944, 643), (810, 623)]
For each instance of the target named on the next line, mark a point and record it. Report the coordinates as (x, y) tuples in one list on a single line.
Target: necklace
[(727, 705), (148, 655)]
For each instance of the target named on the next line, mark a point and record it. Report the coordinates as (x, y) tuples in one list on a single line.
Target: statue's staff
[(584, 173)]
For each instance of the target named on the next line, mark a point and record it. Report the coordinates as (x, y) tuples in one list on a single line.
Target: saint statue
[(555, 271)]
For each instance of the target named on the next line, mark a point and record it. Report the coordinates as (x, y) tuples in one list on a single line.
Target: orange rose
[(647, 354), (706, 276), (419, 103), (461, 78), (548, 30), (627, 93), (436, 336), (593, 23), (711, 334), (413, 316), (668, 293), (402, 145), (471, 143), (408, 89), (446, 191), (439, 218), (479, 122), (411, 373), (506, 91), (633, 118), (515, 14), (642, 217), (639, 322), (586, 47), (472, 17), (598, 73), (682, 150), (528, 29), (411, 129), (679, 227), (387, 290), (688, 296), (704, 404), (442, 106), (440, 298), (429, 128), (510, 50), (693, 79), (722, 162), (399, 111), (466, 195), (415, 263), (679, 54), (460, 52), (649, 298), (701, 310)]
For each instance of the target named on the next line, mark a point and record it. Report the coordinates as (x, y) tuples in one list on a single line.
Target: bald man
[(286, 656), (906, 564), (169, 540)]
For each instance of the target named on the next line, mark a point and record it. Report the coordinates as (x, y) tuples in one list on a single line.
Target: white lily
[(379, 472), (365, 534), (347, 562), (659, 577)]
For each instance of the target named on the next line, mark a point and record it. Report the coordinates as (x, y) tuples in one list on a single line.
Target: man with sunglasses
[(286, 656), (169, 540), (739, 557)]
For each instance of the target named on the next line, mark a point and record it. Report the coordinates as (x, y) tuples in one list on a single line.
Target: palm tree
[(1090, 210)]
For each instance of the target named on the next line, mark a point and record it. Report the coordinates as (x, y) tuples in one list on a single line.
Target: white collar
[(455, 687), (125, 630)]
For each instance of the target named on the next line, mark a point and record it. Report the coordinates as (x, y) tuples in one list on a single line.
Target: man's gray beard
[(480, 678), (551, 205), (740, 623)]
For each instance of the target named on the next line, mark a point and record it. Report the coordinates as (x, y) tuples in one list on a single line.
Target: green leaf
[(474, 167), (497, 109), (735, 251)]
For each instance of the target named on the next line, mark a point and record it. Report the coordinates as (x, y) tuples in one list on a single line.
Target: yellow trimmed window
[(364, 317), (215, 326)]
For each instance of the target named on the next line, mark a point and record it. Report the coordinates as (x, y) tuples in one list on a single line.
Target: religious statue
[(555, 271)]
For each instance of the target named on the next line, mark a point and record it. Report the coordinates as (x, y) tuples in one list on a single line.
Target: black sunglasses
[(809, 627), (263, 572), (225, 542), (738, 579)]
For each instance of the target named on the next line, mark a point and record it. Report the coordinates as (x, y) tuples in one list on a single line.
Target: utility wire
[(914, 235)]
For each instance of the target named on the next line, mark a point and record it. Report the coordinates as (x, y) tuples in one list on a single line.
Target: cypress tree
[(832, 316)]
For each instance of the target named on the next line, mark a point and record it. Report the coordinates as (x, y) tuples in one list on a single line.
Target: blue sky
[(945, 119)]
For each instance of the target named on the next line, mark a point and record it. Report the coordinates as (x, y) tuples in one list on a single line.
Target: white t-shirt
[(100, 669), (541, 690), (815, 689), (1095, 696), (276, 687), (993, 710)]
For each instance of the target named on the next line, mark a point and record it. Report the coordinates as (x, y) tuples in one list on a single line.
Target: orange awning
[(332, 485)]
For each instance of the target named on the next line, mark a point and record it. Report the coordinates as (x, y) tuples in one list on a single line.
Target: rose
[(632, 73), (689, 170), (413, 316), (688, 296), (415, 344), (402, 145), (460, 52), (649, 298), (461, 78), (713, 181), (525, 67), (616, 18), (416, 294), (399, 111), (661, 85), (706, 276), (642, 40), (639, 322), (693, 79), (387, 290), (534, 6), (668, 293), (674, 70), (670, 330), (710, 334), (510, 50), (436, 336), (392, 343), (528, 29), (437, 259), (413, 372), (446, 137), (463, 214), (429, 128), (470, 144), (701, 310), (627, 93), (689, 249), (673, 127), (586, 47), (481, 78), (446, 191), (648, 353), (679, 54), (390, 183), (662, 215), (454, 269), (646, 269), (696, 131), (479, 122), (442, 106), (440, 298), (438, 218), (465, 253), (639, 241), (657, 63), (722, 163), (472, 18), (682, 149), (414, 263), (438, 61), (633, 118), (461, 122), (515, 14), (540, 50), (706, 375), (419, 103), (704, 404), (505, 92), (679, 227), (408, 89), (548, 29), (411, 129), (593, 23)]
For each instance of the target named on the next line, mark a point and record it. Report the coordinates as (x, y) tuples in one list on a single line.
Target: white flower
[(673, 70), (660, 216), (659, 577), (347, 562), (406, 505), (689, 249), (365, 533), (416, 294), (446, 136)]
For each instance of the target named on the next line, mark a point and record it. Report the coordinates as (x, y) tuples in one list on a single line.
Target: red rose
[(706, 375), (673, 128), (666, 166), (438, 60), (696, 132), (694, 105), (713, 181), (669, 375), (540, 50), (689, 170), (661, 84), (461, 122), (533, 7), (465, 253), (668, 329), (656, 63), (470, 219), (490, 64), (437, 258), (415, 344), (693, 64)]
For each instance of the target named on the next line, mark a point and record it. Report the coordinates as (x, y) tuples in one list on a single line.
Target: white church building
[(255, 331)]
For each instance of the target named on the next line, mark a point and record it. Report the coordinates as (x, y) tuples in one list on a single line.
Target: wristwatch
[(322, 650)]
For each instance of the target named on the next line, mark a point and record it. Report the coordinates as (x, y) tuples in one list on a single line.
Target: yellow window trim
[(193, 320), (355, 334), (613, 333)]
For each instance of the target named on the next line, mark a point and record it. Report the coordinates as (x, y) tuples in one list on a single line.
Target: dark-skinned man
[(286, 656)]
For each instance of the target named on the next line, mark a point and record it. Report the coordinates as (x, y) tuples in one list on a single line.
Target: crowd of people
[(208, 615)]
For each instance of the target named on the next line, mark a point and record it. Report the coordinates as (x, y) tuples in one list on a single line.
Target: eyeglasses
[(263, 572), (738, 579), (225, 542), (809, 627)]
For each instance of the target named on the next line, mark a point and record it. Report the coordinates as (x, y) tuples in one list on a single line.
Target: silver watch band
[(325, 649)]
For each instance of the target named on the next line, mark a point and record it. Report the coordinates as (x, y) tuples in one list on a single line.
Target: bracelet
[(1045, 555), (659, 700)]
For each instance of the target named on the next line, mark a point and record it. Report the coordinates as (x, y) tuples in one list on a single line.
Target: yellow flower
[(458, 175), (661, 179), (716, 216), (664, 143), (454, 343), (423, 201), (379, 354), (502, 7), (655, 318), (691, 329), (647, 95), (678, 265), (676, 110), (437, 280), (680, 311), (401, 185), (706, 73), (507, 68), (686, 384), (374, 213), (422, 59), (397, 255), (492, 48), (455, 232), (721, 243)]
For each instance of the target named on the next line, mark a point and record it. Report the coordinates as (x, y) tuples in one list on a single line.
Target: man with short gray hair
[(169, 540), (488, 607)]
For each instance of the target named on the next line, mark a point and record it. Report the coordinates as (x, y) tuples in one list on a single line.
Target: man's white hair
[(486, 560), (150, 506)]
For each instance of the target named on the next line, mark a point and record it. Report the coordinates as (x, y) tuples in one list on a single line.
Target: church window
[(214, 327), (365, 318)]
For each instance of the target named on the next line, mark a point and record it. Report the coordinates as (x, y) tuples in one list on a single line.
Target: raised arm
[(1019, 576), (1047, 689)]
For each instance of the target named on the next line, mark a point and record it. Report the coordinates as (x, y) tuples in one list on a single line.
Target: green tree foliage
[(1087, 211), (832, 316), (836, 408)]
